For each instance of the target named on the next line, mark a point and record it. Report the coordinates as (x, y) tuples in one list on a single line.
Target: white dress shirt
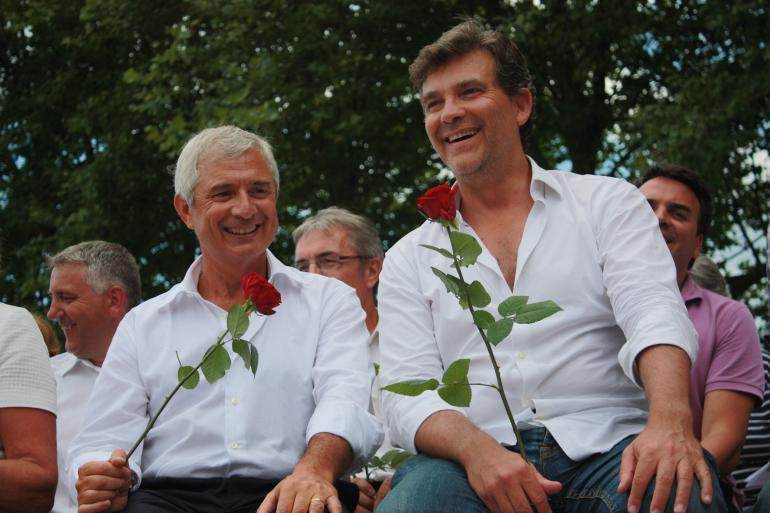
[(75, 379), (376, 408), (592, 245), (313, 377)]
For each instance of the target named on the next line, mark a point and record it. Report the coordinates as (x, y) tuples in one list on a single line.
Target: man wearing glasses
[(340, 244)]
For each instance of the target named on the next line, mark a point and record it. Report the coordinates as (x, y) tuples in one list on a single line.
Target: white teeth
[(460, 135), (241, 231)]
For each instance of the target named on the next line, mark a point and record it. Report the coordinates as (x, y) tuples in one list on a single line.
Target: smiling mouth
[(461, 136), (246, 230)]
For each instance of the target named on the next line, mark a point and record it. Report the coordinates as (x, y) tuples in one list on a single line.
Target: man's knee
[(430, 485)]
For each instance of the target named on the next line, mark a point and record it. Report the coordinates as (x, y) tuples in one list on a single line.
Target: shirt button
[(234, 445), (234, 401), (521, 355)]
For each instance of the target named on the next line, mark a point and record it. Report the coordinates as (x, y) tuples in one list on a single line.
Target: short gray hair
[(107, 264), (361, 231), (224, 142), (706, 274)]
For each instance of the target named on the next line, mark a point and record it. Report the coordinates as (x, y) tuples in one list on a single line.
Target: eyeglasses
[(327, 261)]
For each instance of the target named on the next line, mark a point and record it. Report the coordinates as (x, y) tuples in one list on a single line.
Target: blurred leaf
[(534, 312), (457, 372), (243, 349), (478, 294), (466, 247), (440, 251), (458, 394), (237, 321), (412, 387), (499, 330), (483, 319), (194, 377), (216, 363), (254, 359), (511, 305)]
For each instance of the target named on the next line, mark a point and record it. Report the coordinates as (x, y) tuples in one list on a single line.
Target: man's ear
[(523, 102), (117, 301), (372, 271), (183, 209)]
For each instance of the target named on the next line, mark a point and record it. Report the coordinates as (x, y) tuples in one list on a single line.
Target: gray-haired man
[(340, 244), (277, 440), (93, 285)]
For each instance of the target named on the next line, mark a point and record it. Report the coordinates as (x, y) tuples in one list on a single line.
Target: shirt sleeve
[(736, 364), (26, 378), (117, 409), (408, 346), (640, 277), (342, 376)]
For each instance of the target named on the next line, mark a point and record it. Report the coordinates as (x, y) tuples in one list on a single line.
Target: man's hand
[(104, 485), (383, 491), (301, 492), (667, 448), (669, 455), (505, 483), (366, 495)]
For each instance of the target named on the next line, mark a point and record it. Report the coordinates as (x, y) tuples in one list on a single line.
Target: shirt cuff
[(682, 336), (405, 415), (351, 422)]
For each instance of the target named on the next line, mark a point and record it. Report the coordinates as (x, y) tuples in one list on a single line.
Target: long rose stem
[(168, 398), (495, 366)]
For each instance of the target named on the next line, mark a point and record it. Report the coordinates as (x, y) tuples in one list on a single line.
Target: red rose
[(261, 292), (438, 202)]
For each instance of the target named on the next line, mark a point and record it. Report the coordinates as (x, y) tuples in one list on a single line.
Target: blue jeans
[(433, 485)]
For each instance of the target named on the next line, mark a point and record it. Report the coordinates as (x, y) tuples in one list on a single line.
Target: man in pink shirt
[(727, 380)]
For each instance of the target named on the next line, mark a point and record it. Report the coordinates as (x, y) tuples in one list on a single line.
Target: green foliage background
[(98, 96)]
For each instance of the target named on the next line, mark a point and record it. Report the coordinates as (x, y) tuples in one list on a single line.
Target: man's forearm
[(450, 435), (665, 374), (327, 455), (26, 486)]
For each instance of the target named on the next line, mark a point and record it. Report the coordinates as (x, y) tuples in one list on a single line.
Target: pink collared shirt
[(729, 356)]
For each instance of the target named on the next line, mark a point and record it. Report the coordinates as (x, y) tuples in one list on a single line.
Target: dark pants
[(219, 495)]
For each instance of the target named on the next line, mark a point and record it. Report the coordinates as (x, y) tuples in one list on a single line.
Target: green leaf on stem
[(394, 457), (215, 364), (254, 359), (499, 330), (191, 381), (412, 387), (456, 394), (512, 305), (441, 251), (457, 372), (452, 283), (376, 369), (534, 312), (466, 247), (478, 294), (237, 321), (483, 319), (243, 349)]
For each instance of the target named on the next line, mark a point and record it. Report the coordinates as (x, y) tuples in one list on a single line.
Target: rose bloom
[(261, 292), (438, 202)]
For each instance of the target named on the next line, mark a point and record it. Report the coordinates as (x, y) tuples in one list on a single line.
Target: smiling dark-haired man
[(727, 379), (600, 389)]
